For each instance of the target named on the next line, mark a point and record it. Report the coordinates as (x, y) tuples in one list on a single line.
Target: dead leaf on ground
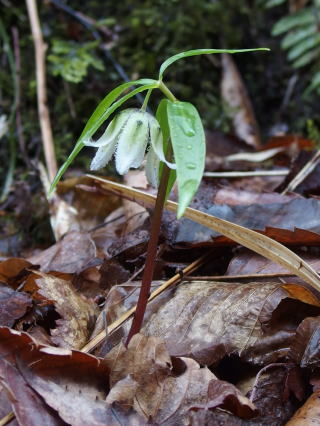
[(305, 349), (135, 214), (77, 313), (72, 254), (13, 271), (207, 320), (13, 305), (309, 413), (72, 383), (238, 103), (164, 390)]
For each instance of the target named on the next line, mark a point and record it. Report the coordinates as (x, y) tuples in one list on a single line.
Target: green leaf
[(307, 58), (196, 52), (162, 117), (105, 108), (298, 19), (189, 147), (294, 37), (303, 47), (272, 3)]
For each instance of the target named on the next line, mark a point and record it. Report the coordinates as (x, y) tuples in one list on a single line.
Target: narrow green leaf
[(162, 117), (105, 108), (299, 19), (196, 52), (189, 147), (306, 59), (304, 46), (294, 37)]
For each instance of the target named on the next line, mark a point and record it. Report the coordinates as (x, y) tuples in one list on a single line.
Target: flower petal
[(103, 155), (132, 142), (113, 129), (156, 141), (152, 168)]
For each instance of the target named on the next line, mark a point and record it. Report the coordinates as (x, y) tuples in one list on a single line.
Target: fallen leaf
[(72, 254), (207, 320), (72, 383), (13, 271), (13, 305), (28, 407), (308, 414), (162, 390), (238, 104), (77, 313), (305, 349)]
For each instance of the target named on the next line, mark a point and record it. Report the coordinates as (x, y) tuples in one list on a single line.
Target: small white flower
[(128, 136)]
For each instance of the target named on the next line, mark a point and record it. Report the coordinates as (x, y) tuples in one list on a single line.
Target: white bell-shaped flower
[(128, 136)]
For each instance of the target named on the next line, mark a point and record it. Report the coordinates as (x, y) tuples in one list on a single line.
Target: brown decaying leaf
[(135, 214), (208, 320), (309, 413), (13, 271), (164, 390), (248, 238), (13, 305), (28, 407), (238, 103), (72, 383), (305, 347), (72, 254), (77, 313)]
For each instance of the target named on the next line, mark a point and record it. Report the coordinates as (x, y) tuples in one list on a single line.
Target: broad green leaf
[(298, 19), (105, 108), (162, 117), (294, 37), (189, 148), (303, 47), (196, 52)]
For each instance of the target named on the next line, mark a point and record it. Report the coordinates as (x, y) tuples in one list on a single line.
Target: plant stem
[(151, 256), (146, 100), (166, 91)]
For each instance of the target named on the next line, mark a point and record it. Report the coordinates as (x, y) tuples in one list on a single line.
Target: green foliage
[(71, 60), (301, 38)]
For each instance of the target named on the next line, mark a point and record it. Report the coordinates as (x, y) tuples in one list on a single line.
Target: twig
[(246, 174), (17, 56), (6, 419), (175, 279), (44, 118), (303, 174)]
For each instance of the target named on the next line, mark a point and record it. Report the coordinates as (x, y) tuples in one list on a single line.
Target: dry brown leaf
[(208, 320), (238, 103), (13, 271), (13, 305), (72, 254), (77, 313), (162, 390), (309, 413), (72, 383), (248, 238), (305, 349)]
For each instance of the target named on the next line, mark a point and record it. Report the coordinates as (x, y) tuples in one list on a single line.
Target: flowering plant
[(175, 133)]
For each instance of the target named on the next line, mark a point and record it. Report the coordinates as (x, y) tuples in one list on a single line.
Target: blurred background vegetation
[(93, 45)]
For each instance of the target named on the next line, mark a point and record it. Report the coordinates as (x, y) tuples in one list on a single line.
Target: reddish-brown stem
[(151, 256)]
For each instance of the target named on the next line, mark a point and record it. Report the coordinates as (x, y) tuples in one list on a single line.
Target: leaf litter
[(239, 352)]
